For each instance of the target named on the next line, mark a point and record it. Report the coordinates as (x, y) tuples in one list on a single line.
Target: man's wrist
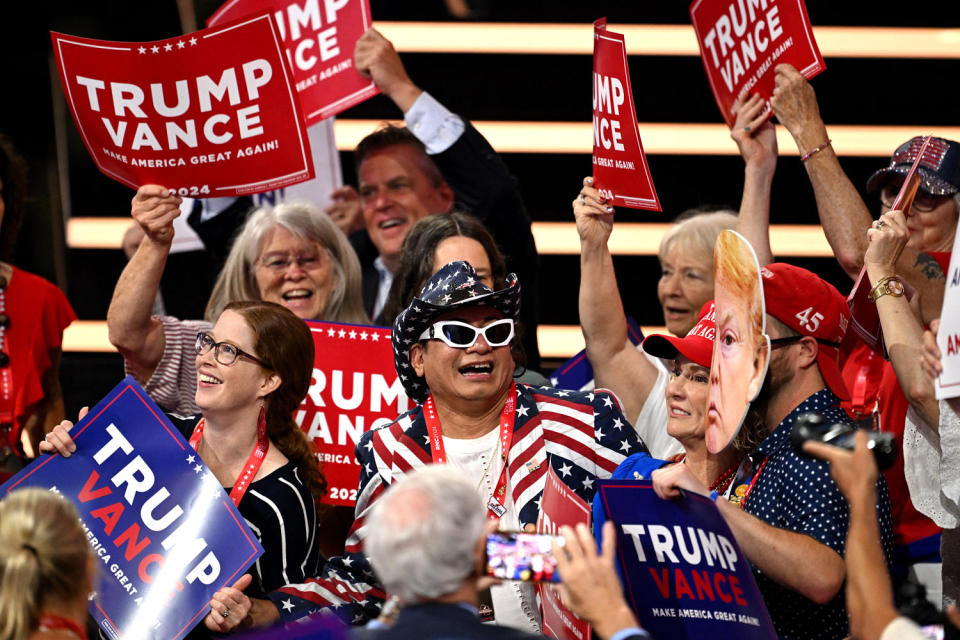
[(621, 618), (404, 95)]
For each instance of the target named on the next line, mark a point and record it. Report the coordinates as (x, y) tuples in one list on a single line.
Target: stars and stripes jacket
[(583, 436)]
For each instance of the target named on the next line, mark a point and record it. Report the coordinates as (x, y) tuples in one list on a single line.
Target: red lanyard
[(753, 481), (253, 462), (495, 507), (51, 622)]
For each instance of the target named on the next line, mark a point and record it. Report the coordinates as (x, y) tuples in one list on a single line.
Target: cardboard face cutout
[(741, 348)]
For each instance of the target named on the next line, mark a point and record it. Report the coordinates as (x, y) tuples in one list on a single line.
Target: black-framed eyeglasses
[(224, 352), (776, 343), (461, 335)]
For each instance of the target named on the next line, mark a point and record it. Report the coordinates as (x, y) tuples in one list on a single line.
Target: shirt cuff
[(433, 124), (630, 632)]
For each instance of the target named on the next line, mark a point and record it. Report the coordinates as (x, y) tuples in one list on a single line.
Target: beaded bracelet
[(815, 150)]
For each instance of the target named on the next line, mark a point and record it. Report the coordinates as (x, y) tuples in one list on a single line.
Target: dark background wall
[(480, 87)]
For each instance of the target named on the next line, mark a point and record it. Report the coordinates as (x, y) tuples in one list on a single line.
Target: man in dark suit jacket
[(426, 543), (438, 163)]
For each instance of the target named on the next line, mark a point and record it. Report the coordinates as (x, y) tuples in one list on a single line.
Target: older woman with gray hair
[(291, 254)]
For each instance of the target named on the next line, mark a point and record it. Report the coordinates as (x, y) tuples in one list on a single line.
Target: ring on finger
[(879, 224), (226, 612), (747, 128), (582, 199)]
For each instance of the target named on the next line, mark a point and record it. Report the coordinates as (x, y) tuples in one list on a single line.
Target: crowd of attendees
[(440, 247)]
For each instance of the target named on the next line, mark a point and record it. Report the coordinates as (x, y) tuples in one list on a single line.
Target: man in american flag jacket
[(452, 350)]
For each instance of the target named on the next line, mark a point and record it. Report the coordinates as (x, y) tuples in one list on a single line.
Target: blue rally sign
[(684, 573), (165, 533)]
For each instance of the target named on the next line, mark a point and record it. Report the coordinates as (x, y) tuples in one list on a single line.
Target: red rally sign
[(318, 39), (560, 506), (741, 41), (211, 113), (620, 169), (355, 388)]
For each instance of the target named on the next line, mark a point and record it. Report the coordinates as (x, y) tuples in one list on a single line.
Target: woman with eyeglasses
[(253, 370), (291, 254)]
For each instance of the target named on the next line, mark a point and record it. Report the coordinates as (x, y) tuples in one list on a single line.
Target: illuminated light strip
[(651, 39), (643, 239), (552, 238), (87, 336), (556, 341), (661, 137)]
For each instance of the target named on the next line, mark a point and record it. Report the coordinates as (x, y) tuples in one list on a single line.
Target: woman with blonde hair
[(46, 568), (291, 254)]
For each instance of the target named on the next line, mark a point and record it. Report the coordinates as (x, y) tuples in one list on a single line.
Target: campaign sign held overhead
[(355, 388), (620, 169), (211, 113), (164, 533), (685, 575), (742, 41), (318, 41)]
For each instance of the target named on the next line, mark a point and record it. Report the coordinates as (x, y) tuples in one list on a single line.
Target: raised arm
[(843, 213), (757, 140), (902, 331), (375, 58), (132, 330), (617, 365)]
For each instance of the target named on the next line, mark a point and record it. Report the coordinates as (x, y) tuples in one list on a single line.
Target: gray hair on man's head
[(422, 534), (696, 231)]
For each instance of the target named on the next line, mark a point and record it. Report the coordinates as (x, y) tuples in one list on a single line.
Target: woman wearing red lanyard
[(47, 568), (253, 370)]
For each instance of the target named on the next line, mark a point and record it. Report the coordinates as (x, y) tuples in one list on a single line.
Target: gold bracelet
[(815, 150)]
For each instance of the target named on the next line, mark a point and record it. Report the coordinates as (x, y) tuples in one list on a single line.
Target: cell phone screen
[(522, 556)]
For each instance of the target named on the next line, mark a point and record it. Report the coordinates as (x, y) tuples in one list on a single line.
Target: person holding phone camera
[(452, 352)]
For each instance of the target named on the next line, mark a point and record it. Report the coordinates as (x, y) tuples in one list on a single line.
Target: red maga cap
[(812, 307), (696, 345)]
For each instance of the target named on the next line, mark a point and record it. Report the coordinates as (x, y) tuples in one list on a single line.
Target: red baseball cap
[(696, 345), (812, 307)]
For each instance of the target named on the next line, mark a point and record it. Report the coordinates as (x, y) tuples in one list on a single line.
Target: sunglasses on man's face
[(461, 335)]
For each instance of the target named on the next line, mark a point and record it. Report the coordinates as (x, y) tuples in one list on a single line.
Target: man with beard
[(791, 520)]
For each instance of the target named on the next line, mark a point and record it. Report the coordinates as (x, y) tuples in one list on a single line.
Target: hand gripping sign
[(741, 41), (560, 506), (212, 113), (164, 533), (355, 388), (318, 40), (620, 169), (685, 575)]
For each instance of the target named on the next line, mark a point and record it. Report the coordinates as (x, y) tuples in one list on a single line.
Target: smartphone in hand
[(513, 555)]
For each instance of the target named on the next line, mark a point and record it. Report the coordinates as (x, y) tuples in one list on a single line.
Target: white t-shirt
[(514, 603), (651, 422)]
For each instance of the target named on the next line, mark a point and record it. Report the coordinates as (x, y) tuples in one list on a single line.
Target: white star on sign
[(624, 446), (375, 336), (154, 49), (168, 47), (331, 332), (141, 49), (565, 470), (190, 459), (181, 44), (341, 333), (363, 335), (287, 605), (353, 335), (193, 41), (197, 469)]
